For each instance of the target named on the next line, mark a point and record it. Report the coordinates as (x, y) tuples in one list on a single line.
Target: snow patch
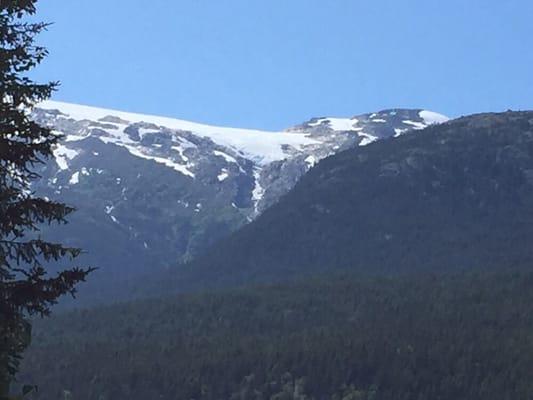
[(75, 138), (367, 139), (311, 161), (183, 203), (181, 151), (431, 118), (415, 125), (223, 175), (258, 191), (75, 178), (225, 156), (169, 163), (399, 131), (337, 124), (62, 154)]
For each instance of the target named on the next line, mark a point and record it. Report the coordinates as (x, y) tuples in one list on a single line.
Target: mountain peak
[(262, 146), (165, 189)]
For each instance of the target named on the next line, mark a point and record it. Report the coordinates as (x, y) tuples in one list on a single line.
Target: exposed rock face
[(153, 191)]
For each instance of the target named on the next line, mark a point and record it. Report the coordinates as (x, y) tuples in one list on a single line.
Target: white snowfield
[(432, 118), (262, 147), (62, 154)]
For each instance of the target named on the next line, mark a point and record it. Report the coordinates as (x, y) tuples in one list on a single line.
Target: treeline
[(462, 336)]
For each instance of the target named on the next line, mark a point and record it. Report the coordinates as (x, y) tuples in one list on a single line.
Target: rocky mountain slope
[(456, 195), (152, 191)]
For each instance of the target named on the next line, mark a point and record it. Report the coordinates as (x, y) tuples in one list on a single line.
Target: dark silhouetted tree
[(26, 288)]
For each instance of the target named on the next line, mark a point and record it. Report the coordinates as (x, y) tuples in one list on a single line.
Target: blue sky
[(271, 64)]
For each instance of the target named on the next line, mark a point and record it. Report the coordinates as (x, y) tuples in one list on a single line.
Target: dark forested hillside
[(462, 336), (457, 195)]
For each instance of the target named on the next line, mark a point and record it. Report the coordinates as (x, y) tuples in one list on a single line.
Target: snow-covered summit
[(261, 146), (272, 161)]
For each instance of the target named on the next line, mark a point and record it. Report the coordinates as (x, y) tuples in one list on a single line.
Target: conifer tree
[(26, 287)]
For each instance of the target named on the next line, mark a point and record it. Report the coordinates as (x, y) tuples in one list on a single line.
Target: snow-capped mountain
[(152, 190)]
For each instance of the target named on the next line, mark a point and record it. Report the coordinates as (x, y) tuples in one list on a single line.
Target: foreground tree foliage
[(25, 286), (462, 336)]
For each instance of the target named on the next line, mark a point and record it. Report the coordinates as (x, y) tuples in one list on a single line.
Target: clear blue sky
[(274, 63)]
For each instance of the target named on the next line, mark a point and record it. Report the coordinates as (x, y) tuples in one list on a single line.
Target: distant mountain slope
[(152, 191), (456, 195)]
